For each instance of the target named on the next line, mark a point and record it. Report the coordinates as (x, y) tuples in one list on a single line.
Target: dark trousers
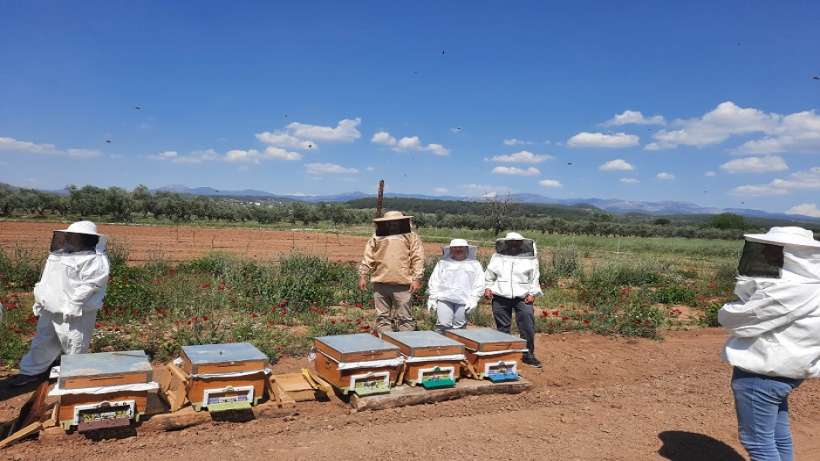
[(524, 318)]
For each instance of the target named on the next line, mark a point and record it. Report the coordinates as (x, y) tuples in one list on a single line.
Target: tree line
[(119, 205)]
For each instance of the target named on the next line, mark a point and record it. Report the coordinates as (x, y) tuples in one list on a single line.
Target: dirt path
[(597, 399), (172, 243)]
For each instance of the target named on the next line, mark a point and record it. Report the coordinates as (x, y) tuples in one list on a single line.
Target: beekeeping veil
[(784, 263), (393, 223), (456, 243), (514, 245), (79, 237)]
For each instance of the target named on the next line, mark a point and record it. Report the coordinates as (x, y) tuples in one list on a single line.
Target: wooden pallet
[(402, 396)]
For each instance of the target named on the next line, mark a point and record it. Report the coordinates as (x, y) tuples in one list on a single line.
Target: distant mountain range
[(611, 205)]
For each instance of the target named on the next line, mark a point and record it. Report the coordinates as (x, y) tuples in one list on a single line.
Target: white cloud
[(26, 147), (516, 142), (755, 165), (710, 174), (797, 132), (515, 171), (243, 156), (328, 168), (407, 143), (521, 157), (801, 180), (630, 180), (602, 140), (664, 176), (486, 190), (805, 209), (632, 117), (345, 131), (550, 183), (198, 156), (281, 154), (618, 164), (440, 190), (370, 168), (281, 139)]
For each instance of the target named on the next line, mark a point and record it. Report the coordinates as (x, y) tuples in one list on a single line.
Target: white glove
[(36, 308), (470, 307), (432, 303)]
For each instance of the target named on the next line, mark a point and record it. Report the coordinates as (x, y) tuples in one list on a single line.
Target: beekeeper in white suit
[(774, 329), (67, 298), (455, 286), (512, 281)]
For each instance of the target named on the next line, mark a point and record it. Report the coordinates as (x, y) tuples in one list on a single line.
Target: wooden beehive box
[(493, 355), (87, 410), (359, 363), (431, 359), (224, 376)]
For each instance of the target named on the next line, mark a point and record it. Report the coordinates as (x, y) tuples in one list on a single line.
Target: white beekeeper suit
[(514, 276), (67, 298), (775, 323), (455, 287)]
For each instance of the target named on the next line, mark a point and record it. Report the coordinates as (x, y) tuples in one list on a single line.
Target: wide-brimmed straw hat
[(392, 216), (786, 236)]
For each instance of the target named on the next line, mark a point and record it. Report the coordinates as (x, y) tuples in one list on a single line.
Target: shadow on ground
[(689, 446)]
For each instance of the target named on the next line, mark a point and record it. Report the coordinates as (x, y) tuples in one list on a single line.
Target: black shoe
[(530, 360), (21, 380)]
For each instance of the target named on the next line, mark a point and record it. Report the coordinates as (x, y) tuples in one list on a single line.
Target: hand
[(469, 308), (36, 308), (488, 293), (362, 282), (529, 299), (432, 303), (415, 286)]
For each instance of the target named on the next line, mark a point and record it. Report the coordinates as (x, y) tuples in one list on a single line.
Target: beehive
[(431, 359), (493, 355), (359, 363), (224, 376), (103, 390)]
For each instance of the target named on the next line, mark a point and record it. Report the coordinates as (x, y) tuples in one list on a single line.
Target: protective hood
[(472, 251), (63, 243), (514, 245)]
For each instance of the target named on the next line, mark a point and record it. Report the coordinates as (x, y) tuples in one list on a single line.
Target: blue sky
[(709, 102)]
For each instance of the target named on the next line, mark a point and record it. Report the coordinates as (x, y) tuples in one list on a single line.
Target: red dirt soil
[(182, 243), (597, 398)]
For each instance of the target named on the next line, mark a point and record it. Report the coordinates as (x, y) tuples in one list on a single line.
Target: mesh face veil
[(70, 242), (518, 248), (393, 227), (761, 260), (470, 254)]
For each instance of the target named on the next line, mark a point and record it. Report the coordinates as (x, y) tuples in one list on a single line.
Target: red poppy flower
[(221, 286), (204, 318), (333, 322), (253, 315), (545, 314), (284, 310), (586, 322), (556, 313), (205, 286), (360, 305), (564, 318), (98, 325)]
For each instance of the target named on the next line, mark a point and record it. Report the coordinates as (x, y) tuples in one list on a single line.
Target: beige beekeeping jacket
[(394, 259)]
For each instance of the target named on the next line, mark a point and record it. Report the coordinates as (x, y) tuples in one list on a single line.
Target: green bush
[(20, 269), (565, 261), (674, 294), (710, 315)]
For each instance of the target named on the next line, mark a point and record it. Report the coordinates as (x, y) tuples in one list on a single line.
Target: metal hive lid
[(220, 353), (358, 342), (485, 335), (103, 363), (421, 339)]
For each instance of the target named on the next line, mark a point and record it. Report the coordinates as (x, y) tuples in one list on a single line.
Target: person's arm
[(489, 278), (368, 260), (416, 262), (433, 283), (93, 277), (478, 282), (535, 282), (760, 314)]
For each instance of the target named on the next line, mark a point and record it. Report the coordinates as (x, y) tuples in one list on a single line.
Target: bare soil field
[(181, 243), (597, 398)]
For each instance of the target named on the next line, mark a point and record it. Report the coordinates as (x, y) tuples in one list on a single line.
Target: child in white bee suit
[(455, 286), (67, 298)]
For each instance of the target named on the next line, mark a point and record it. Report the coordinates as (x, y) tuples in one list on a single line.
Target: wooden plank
[(37, 407), (187, 417), (31, 429), (172, 386), (282, 399), (321, 385), (408, 395)]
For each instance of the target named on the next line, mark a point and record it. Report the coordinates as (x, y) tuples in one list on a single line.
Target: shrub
[(710, 315), (565, 261), (20, 270), (674, 294)]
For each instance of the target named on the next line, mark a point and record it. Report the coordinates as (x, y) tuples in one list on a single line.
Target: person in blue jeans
[(774, 335)]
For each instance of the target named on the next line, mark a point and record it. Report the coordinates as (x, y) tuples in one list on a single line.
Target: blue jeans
[(762, 407)]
